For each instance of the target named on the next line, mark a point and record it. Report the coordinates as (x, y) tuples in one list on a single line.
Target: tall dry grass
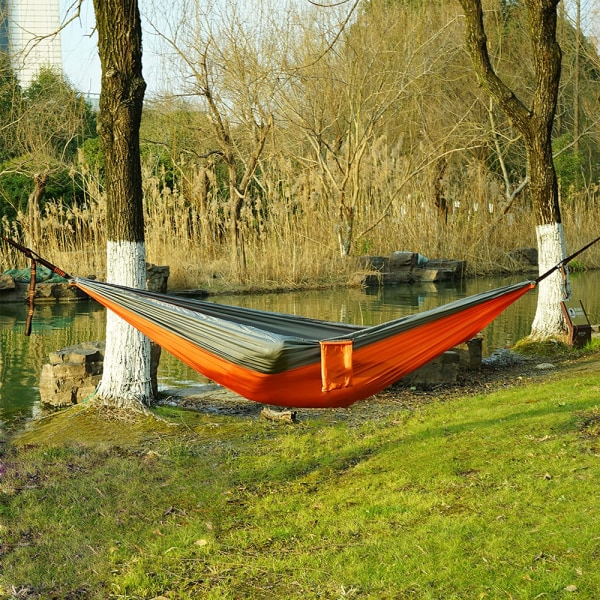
[(291, 229)]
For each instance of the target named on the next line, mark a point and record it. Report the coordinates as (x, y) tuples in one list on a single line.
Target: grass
[(487, 496)]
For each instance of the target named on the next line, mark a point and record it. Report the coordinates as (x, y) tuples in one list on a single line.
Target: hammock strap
[(36, 257), (31, 254), (31, 297), (561, 265)]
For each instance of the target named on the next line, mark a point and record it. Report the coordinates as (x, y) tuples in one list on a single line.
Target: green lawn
[(490, 496)]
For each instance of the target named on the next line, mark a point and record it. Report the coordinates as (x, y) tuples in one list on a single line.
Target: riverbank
[(490, 488)]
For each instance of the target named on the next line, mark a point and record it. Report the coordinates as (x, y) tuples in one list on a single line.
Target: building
[(4, 34), (29, 32)]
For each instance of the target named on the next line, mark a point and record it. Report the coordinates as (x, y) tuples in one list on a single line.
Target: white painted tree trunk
[(126, 376), (549, 321)]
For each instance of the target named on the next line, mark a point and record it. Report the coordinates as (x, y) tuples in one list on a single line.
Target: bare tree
[(126, 378), (219, 52), (239, 173), (367, 93), (535, 123)]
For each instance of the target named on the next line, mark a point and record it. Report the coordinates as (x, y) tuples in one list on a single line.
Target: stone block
[(82, 393), (58, 399), (427, 275), (458, 266), (369, 279), (470, 353), (447, 270), (157, 278), (78, 354), (14, 295), (59, 392), (69, 370), (441, 370), (53, 291), (73, 373), (402, 260), (47, 376), (396, 277), (44, 292), (6, 282), (383, 279)]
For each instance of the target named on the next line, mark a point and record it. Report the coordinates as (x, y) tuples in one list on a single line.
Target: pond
[(59, 325)]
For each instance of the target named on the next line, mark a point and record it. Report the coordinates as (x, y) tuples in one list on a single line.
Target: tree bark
[(34, 209), (535, 123), (126, 377)]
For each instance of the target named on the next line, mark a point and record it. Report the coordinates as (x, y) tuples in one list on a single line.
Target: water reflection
[(59, 325), (373, 306), (54, 326)]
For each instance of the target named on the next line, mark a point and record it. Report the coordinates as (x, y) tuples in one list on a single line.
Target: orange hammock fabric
[(289, 361)]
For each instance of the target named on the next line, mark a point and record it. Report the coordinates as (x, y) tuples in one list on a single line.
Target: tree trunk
[(549, 320), (535, 124), (34, 212), (126, 378), (555, 288), (236, 203)]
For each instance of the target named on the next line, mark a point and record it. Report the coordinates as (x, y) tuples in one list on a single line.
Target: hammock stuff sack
[(292, 361)]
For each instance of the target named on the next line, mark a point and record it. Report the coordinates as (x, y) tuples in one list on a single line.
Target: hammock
[(286, 360), (291, 361)]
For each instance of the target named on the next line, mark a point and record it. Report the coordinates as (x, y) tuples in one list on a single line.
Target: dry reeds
[(290, 229)]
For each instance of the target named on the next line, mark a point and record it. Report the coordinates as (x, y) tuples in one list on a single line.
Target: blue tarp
[(42, 275)]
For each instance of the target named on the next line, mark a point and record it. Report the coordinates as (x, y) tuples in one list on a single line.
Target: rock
[(399, 260), (374, 263), (389, 279), (442, 370), (44, 293), (6, 282), (10, 290), (84, 353), (503, 358), (56, 292), (285, 416), (446, 269), (407, 267), (470, 353), (73, 373), (157, 278), (545, 366), (62, 291)]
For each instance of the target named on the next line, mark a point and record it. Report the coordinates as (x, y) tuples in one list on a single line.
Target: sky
[(79, 42), (80, 51)]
